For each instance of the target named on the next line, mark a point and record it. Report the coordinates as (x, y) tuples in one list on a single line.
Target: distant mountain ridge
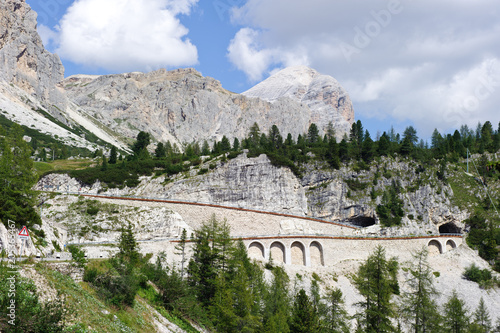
[(180, 105)]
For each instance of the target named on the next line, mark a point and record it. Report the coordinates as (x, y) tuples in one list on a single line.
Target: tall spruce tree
[(335, 318), (304, 315), (418, 305), (128, 250), (212, 247), (160, 151), (481, 318), (17, 178), (181, 251), (277, 303), (456, 319), (113, 157), (376, 281)]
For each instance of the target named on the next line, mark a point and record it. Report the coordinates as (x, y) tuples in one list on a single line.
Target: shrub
[(356, 185), (92, 210), (56, 246), (474, 273), (78, 256), (202, 171), (232, 155)]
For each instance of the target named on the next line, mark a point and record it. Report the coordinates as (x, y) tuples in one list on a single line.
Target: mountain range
[(180, 106)]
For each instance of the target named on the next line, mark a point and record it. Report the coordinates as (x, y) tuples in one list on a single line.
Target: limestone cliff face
[(324, 193), (183, 106), (24, 61)]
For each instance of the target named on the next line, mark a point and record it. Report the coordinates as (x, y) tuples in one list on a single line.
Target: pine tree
[(410, 133), (376, 281), (225, 145), (113, 157), (455, 317), (418, 305), (368, 149), (343, 150), (330, 131), (236, 144), (205, 148), (482, 317), (140, 146), (181, 250), (128, 250), (304, 316), (254, 135), (333, 153), (335, 318), (277, 303), (160, 151), (312, 134), (17, 178), (212, 247), (104, 165)]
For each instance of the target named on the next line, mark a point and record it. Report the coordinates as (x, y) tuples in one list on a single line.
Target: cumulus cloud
[(246, 55), (126, 35), (416, 61), (249, 56), (47, 35)]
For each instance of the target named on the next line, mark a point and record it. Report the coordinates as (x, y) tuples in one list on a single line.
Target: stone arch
[(450, 245), (256, 250), (434, 247), (316, 253), (278, 252), (298, 253)]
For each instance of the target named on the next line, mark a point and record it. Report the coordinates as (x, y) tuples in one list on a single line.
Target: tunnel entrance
[(449, 228), (362, 221)]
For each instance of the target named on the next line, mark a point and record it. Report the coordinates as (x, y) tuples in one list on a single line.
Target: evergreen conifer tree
[(304, 316), (376, 281), (128, 250), (160, 151), (17, 178), (482, 318), (455, 317), (418, 305), (181, 250), (113, 157), (335, 318)]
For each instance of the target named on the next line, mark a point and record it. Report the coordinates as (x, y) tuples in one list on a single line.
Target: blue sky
[(427, 64)]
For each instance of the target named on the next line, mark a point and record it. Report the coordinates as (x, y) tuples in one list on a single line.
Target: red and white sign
[(24, 233)]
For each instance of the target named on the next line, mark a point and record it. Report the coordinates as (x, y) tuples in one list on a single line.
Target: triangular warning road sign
[(24, 233)]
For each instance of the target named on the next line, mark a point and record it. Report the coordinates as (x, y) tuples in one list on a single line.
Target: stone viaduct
[(292, 240)]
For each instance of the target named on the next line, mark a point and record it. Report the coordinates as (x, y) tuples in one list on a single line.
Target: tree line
[(222, 289)]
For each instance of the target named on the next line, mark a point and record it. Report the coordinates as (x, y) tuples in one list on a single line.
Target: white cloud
[(47, 35), (126, 35), (246, 53), (408, 60)]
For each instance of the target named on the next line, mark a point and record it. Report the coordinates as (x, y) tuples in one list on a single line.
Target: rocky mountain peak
[(328, 101), (289, 82), (25, 62)]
